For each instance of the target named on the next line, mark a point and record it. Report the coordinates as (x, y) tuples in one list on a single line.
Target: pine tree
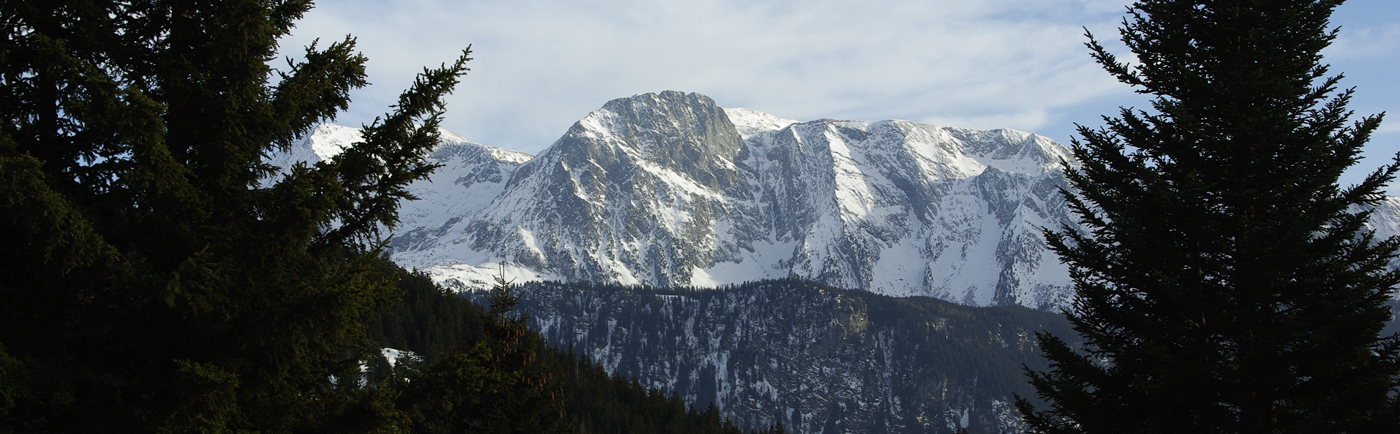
[(501, 385), (155, 274), (1225, 282)]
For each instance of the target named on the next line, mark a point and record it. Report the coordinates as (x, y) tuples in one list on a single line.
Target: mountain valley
[(834, 276)]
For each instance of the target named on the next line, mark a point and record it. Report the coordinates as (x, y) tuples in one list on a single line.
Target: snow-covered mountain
[(670, 189)]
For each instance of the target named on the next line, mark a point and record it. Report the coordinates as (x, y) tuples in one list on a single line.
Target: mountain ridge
[(670, 189)]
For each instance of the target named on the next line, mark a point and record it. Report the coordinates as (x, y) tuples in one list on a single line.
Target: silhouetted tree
[(501, 385), (1224, 283), (156, 274)]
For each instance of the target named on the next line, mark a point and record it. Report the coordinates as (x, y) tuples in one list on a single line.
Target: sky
[(539, 66)]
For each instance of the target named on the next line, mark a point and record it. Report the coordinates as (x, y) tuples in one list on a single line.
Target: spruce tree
[(501, 385), (1224, 282), (155, 274)]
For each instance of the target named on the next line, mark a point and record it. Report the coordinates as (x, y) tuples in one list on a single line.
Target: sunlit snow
[(893, 207)]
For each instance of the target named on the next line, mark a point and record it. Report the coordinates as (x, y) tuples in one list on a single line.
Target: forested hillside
[(436, 324), (812, 357)]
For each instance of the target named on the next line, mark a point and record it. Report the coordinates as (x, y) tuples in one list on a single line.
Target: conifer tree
[(1225, 282), (155, 274), (501, 385)]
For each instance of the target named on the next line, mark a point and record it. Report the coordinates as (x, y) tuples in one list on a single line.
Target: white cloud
[(541, 65)]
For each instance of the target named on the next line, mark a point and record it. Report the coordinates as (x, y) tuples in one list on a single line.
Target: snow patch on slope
[(751, 122)]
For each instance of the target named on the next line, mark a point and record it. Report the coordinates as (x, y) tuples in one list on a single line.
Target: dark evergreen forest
[(436, 323), (813, 357)]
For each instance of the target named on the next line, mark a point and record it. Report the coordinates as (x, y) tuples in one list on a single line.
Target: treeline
[(439, 326), (920, 362), (958, 340)]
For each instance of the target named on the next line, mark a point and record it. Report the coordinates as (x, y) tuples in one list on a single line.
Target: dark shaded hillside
[(435, 324), (812, 357)]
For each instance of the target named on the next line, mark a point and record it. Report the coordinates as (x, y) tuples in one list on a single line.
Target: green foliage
[(154, 277), (1223, 284)]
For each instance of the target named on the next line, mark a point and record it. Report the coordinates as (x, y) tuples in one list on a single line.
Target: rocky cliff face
[(669, 189), (815, 358)]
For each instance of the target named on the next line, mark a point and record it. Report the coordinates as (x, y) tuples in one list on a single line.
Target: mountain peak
[(680, 133), (669, 189)]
